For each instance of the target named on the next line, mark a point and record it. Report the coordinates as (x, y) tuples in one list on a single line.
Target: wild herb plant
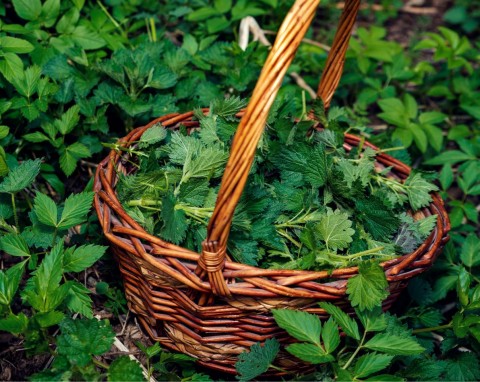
[(77, 73)]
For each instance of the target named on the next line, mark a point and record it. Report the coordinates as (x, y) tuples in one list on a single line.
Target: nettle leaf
[(21, 176), (309, 353), (250, 365), (46, 209), (82, 338), (9, 282), (465, 367), (418, 191), (83, 257), (153, 135), (14, 245), (379, 221), (174, 221), (206, 164), (228, 106), (393, 344), (369, 288), (301, 325), (125, 369), (316, 171), (371, 363), (335, 229), (75, 210), (348, 324)]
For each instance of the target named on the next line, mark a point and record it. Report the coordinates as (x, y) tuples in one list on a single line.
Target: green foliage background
[(76, 75)]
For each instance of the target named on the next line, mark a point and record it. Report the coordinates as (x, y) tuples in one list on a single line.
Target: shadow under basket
[(169, 298)]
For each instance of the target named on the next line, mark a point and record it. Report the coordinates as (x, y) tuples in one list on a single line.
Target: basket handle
[(250, 129)]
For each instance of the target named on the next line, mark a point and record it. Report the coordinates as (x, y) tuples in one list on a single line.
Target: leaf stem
[(14, 206), (360, 346), (433, 328), (100, 363), (358, 254)]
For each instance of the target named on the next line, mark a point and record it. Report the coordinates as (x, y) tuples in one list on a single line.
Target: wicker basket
[(206, 305)]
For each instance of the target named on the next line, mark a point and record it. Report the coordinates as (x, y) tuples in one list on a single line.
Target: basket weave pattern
[(207, 305)]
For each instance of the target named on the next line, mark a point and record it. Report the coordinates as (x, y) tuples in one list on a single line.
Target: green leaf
[(465, 367), (15, 45), (393, 344), (125, 369), (14, 245), (83, 257), (75, 210), (348, 324), (317, 164), (68, 121), (9, 282), (310, 162), (301, 325), (450, 157), (379, 221), (223, 6), (410, 106), (256, 362), (463, 285), (45, 209), (330, 335), (67, 22), (48, 319), (335, 229), (470, 252), (369, 288), (15, 324), (50, 11), (153, 135), (3, 164), (87, 38), (36, 137), (82, 338), (11, 66), (371, 363), (27, 84), (372, 320), (174, 221), (71, 155), (78, 299), (418, 191), (49, 274), (207, 163), (309, 353), (28, 9), (202, 14), (21, 177), (4, 131), (432, 117)]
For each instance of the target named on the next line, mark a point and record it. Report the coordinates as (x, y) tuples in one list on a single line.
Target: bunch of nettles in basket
[(309, 203)]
